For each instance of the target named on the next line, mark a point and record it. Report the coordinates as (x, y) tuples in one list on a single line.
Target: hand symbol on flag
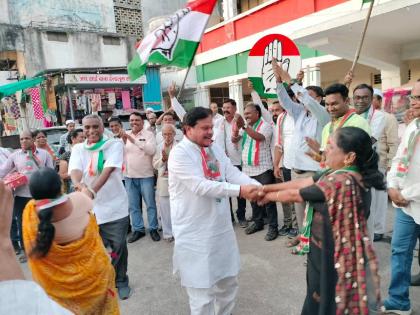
[(167, 34), (273, 50)]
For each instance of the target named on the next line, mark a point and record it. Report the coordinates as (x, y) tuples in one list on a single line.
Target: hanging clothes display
[(125, 95), (96, 98), (35, 94), (111, 98), (51, 100)]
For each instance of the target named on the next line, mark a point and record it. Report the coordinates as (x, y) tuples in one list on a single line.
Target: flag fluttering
[(175, 42)]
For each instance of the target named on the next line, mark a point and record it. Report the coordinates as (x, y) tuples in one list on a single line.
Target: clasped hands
[(254, 193)]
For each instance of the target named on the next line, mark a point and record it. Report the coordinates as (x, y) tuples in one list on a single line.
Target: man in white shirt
[(229, 138), (257, 163), (404, 191), (95, 168), (362, 101), (168, 118), (217, 118), (206, 254)]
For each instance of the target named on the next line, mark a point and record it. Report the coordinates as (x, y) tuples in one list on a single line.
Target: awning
[(12, 88)]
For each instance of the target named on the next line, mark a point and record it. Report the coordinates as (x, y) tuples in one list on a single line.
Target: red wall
[(280, 12)]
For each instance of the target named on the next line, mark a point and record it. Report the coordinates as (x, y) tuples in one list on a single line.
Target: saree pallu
[(79, 275)]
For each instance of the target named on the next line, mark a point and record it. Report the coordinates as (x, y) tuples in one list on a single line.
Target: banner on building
[(259, 66), (100, 79)]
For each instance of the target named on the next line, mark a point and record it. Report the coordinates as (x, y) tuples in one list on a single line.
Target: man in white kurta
[(206, 253)]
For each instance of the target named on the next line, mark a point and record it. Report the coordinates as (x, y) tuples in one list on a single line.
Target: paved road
[(271, 281)]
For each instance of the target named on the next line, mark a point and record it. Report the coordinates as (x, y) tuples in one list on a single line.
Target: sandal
[(23, 259), (292, 243)]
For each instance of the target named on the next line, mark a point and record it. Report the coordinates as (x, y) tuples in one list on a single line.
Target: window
[(377, 79), (110, 40), (57, 37), (245, 5)]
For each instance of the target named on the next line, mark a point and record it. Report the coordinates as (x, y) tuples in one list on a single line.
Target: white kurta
[(206, 249)]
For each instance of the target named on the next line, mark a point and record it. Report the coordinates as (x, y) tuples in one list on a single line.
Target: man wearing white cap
[(64, 145), (387, 148)]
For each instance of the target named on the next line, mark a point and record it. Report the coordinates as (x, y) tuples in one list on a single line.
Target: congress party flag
[(260, 71), (175, 42)]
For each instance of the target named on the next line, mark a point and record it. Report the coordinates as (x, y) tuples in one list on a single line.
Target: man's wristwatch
[(91, 191)]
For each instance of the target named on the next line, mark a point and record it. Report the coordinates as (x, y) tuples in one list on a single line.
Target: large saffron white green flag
[(176, 41)]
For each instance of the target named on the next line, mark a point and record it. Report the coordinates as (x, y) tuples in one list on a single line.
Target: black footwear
[(265, 221), (415, 280), (124, 293), (23, 259), (243, 223), (155, 235), (284, 230), (271, 234), (253, 228), (136, 236), (377, 237), (292, 233)]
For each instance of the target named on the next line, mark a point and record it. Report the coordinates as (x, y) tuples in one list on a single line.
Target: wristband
[(91, 191)]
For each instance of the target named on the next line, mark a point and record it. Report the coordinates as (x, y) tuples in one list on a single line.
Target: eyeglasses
[(415, 98), (362, 98)]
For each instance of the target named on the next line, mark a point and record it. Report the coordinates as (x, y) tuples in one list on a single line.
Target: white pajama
[(217, 300), (165, 216)]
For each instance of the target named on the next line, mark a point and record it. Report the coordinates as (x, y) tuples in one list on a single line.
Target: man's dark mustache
[(226, 112)]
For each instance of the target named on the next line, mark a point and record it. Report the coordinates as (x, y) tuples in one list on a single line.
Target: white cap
[(378, 93), (70, 121), (149, 109)]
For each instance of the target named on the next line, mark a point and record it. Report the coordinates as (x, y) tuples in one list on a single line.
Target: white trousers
[(217, 300), (165, 216)]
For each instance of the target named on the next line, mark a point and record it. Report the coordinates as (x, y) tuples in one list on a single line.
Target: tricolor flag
[(175, 42)]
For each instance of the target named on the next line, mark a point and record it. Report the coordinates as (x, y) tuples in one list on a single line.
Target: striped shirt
[(18, 161)]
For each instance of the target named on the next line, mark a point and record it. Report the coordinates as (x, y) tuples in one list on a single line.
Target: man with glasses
[(362, 100)]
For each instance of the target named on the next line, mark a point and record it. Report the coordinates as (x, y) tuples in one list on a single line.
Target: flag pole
[(359, 48), (185, 80)]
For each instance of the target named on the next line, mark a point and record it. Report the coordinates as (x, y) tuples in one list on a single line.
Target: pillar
[(202, 96), (235, 92), (312, 75), (395, 77), (230, 9)]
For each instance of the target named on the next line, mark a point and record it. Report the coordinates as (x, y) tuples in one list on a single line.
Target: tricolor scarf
[(96, 164), (31, 159), (343, 120), (253, 154), (352, 252), (210, 164), (408, 151)]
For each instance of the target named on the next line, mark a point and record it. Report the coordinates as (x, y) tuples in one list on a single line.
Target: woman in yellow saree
[(66, 254)]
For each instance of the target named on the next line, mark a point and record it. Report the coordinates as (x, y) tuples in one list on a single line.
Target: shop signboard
[(101, 79), (259, 66)]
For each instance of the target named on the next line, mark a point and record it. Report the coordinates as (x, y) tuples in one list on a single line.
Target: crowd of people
[(330, 162)]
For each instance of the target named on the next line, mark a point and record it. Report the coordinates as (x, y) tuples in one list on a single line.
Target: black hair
[(36, 133), (45, 183), (168, 114), (136, 114), (73, 134), (337, 88), (363, 86), (115, 119), (378, 97), (317, 89), (196, 114), (257, 108), (353, 139), (231, 101)]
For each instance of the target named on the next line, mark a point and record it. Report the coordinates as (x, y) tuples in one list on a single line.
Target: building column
[(230, 9), (235, 93), (312, 75), (202, 96), (394, 78)]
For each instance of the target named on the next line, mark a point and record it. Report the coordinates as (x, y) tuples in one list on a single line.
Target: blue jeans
[(136, 189), (404, 240)]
